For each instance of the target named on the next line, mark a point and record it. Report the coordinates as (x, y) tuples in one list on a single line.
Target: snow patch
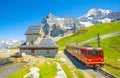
[(87, 24), (106, 20), (60, 19), (90, 18), (96, 11)]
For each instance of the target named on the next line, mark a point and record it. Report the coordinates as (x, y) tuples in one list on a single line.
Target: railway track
[(97, 73), (105, 74)]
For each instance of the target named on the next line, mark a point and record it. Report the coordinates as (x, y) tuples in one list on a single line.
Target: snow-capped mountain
[(97, 16), (115, 16), (5, 44), (55, 26)]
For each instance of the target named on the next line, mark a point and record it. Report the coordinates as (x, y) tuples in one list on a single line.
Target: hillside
[(89, 32), (111, 48)]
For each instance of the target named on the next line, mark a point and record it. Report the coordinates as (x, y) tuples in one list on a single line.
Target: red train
[(88, 55)]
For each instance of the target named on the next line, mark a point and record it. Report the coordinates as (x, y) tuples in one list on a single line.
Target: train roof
[(78, 46)]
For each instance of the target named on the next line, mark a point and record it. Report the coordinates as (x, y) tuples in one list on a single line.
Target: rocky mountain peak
[(49, 20), (55, 26), (50, 15)]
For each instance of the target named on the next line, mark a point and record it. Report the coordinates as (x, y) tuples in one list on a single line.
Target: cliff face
[(55, 26)]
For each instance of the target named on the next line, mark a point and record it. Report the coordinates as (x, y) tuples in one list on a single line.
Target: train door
[(84, 55), (101, 56), (101, 53)]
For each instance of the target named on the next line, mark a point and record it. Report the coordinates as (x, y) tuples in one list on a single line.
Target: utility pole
[(76, 42), (98, 40)]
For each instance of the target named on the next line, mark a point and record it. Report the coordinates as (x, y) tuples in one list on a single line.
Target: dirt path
[(7, 70), (71, 65), (102, 37)]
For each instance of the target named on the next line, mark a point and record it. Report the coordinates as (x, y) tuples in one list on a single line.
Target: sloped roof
[(23, 44), (33, 30), (47, 42)]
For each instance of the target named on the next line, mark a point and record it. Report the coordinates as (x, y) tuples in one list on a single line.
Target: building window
[(32, 51), (31, 42), (48, 52)]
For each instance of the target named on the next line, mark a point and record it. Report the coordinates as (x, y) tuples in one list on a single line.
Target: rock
[(25, 66), (23, 54), (33, 73), (60, 73), (48, 62), (63, 59)]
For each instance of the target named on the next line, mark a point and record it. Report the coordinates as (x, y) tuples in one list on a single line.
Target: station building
[(38, 44)]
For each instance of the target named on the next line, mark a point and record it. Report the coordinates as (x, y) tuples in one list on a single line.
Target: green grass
[(20, 73), (46, 71), (113, 71), (68, 71), (89, 32), (111, 47), (13, 48), (79, 74)]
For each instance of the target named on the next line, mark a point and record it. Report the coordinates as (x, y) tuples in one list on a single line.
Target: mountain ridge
[(5, 44), (56, 26)]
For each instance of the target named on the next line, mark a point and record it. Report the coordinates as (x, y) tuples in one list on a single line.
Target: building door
[(48, 52), (32, 52)]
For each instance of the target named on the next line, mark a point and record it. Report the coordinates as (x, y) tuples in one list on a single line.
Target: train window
[(100, 53), (84, 52), (92, 53), (77, 51)]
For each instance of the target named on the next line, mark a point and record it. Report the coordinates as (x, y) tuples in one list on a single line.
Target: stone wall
[(4, 61), (46, 53), (26, 51), (35, 38)]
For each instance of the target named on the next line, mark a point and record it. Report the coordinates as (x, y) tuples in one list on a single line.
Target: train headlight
[(102, 62), (89, 60)]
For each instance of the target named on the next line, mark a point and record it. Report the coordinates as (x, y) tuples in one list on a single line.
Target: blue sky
[(17, 15)]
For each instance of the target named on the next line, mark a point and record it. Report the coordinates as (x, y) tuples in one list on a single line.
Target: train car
[(90, 56)]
